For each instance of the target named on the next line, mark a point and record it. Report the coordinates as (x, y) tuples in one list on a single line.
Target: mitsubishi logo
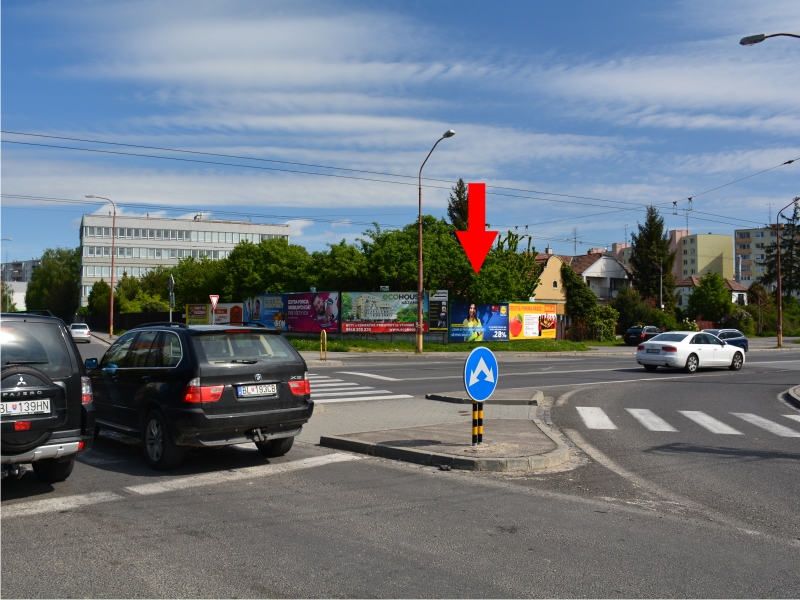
[(21, 381), (258, 376)]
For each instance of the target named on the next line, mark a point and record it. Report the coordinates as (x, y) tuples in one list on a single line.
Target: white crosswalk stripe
[(326, 389), (650, 420), (770, 426), (795, 417), (710, 423), (595, 418)]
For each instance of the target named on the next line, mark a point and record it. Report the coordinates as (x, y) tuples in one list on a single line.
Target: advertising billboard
[(228, 312), (529, 320), (470, 322), (437, 311), (382, 312), (197, 314), (312, 312), (268, 309)]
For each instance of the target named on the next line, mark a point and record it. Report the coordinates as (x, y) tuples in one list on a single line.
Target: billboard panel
[(530, 320), (437, 311), (268, 309), (382, 312), (312, 312), (228, 312), (471, 322), (197, 314)]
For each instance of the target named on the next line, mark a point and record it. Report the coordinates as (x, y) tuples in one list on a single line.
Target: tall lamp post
[(113, 235), (780, 291), (420, 294), (755, 39)]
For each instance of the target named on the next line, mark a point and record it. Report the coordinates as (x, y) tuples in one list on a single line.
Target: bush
[(739, 319), (604, 320), (687, 325), (665, 320)]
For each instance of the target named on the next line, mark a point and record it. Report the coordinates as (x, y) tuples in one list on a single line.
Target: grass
[(615, 343), (403, 346)]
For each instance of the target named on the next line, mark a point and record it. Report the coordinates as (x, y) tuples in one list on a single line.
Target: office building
[(751, 245), (701, 253), (19, 271), (142, 243)]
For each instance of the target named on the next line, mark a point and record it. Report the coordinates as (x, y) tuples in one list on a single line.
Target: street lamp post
[(420, 293), (113, 235), (780, 290), (750, 40)]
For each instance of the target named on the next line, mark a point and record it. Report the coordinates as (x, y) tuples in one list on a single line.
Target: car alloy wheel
[(737, 361), (691, 363), (154, 440)]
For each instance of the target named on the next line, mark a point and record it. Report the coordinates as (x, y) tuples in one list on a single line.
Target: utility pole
[(574, 241), (660, 284), (171, 296)]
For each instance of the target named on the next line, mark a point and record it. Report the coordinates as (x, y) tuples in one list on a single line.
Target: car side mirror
[(91, 363)]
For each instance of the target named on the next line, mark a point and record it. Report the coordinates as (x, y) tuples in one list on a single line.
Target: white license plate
[(652, 350), (25, 407), (267, 389)]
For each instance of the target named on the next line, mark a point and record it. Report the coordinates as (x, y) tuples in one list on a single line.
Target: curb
[(793, 396), (315, 362), (99, 339), (535, 399), (553, 458)]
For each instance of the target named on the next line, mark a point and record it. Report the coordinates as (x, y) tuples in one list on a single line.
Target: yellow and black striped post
[(477, 423)]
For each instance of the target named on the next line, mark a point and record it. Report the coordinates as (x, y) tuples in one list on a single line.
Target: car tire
[(737, 362), (24, 441), (160, 451), (51, 471), (275, 448), (650, 367), (691, 364)]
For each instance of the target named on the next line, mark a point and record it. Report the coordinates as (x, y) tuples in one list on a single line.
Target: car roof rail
[(243, 324), (162, 324), (41, 313)]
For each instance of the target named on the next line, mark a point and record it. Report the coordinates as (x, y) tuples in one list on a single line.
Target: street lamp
[(750, 40), (113, 235), (420, 294), (780, 291)]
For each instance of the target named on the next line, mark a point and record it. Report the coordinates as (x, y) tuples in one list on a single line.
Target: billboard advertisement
[(437, 311), (197, 314), (312, 312), (268, 309), (382, 312), (471, 322), (228, 312), (529, 320)]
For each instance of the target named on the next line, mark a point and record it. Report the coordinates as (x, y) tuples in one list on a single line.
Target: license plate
[(652, 350), (266, 389), (25, 407)]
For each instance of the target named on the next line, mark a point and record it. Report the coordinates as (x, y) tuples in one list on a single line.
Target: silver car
[(80, 332), (688, 350)]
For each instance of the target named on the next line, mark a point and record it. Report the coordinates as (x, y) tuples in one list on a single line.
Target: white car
[(80, 332), (688, 350)]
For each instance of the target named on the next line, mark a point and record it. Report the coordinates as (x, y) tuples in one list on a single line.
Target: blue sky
[(612, 105)]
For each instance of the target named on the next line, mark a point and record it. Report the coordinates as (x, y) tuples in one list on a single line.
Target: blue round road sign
[(480, 374)]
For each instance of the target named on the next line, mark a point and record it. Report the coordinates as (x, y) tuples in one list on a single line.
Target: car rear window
[(670, 337), (39, 345), (241, 346), (78, 326)]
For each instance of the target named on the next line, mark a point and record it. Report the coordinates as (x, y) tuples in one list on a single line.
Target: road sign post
[(214, 299), (480, 380)]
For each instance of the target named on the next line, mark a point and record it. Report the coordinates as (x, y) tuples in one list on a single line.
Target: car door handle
[(146, 378)]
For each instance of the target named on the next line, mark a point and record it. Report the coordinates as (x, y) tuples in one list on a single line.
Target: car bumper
[(660, 360), (51, 450)]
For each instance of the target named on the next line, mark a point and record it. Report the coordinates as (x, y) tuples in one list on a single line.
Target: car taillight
[(22, 425), (86, 390), (642, 334), (300, 388), (194, 392), (81, 445), (640, 347), (669, 348)]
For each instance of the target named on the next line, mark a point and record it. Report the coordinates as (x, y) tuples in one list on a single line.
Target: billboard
[(228, 312), (197, 314), (382, 312), (529, 320), (312, 312), (437, 311), (268, 309), (471, 322)]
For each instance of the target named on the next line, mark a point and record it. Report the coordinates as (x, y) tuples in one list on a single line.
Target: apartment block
[(750, 250), (19, 271), (700, 254)]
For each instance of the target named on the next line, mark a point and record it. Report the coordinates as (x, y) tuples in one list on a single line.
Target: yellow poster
[(529, 320)]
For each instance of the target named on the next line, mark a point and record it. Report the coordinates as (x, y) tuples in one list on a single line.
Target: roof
[(580, 263), (694, 281)]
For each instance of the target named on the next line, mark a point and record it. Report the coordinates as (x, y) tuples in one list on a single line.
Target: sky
[(577, 115)]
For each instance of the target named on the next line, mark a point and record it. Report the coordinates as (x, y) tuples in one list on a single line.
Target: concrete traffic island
[(508, 396), (519, 445)]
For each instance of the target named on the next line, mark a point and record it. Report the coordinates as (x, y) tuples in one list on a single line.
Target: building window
[(759, 267), (684, 243), (691, 241), (771, 234), (686, 262), (692, 271), (745, 256), (685, 252), (760, 234), (693, 250), (746, 234), (685, 272), (744, 246), (745, 267)]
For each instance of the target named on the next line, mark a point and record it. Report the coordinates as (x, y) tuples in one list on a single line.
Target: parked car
[(734, 337), (688, 350), (80, 332), (638, 334), (46, 414), (177, 386)]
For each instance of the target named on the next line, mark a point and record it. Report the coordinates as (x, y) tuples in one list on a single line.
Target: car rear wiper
[(245, 361), (27, 362)]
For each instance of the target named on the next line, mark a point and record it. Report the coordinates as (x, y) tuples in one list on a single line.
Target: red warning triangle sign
[(214, 300)]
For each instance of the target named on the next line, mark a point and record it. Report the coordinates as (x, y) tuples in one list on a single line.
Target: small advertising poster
[(312, 312), (382, 312), (437, 311), (197, 314), (268, 309), (530, 320), (470, 322), (229, 312)]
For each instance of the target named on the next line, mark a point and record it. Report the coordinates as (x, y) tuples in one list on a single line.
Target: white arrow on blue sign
[(480, 374)]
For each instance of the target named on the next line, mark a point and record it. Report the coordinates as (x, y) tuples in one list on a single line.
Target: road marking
[(795, 417), (595, 418), (193, 481), (709, 423), (361, 398), (360, 392), (650, 419), (370, 375), (38, 507), (770, 426), (333, 385)]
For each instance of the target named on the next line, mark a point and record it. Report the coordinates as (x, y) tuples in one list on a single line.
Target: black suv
[(177, 386), (638, 334), (47, 414)]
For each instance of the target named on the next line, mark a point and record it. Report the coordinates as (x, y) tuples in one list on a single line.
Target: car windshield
[(670, 337), (39, 345), (241, 346)]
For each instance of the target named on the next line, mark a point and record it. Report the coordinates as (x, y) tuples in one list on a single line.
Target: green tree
[(651, 258), (342, 267), (125, 295), (758, 301), (100, 298), (54, 283), (197, 279), (156, 282), (458, 206), (581, 300), (789, 243), (632, 309), (509, 273), (711, 300), (8, 298)]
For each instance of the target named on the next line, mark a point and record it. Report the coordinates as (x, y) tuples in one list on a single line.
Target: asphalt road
[(639, 513)]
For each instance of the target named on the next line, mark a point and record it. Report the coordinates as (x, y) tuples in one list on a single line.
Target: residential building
[(700, 253), (622, 252), (685, 288), (603, 273), (19, 271), (750, 250), (142, 243), (675, 238)]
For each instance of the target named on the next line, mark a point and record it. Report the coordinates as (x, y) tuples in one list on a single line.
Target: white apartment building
[(142, 243), (370, 308), (750, 247), (19, 271)]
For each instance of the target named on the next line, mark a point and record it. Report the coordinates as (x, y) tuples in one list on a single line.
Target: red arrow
[(476, 240)]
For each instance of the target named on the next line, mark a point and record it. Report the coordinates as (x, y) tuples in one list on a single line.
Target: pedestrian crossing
[(594, 417), (325, 390)]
